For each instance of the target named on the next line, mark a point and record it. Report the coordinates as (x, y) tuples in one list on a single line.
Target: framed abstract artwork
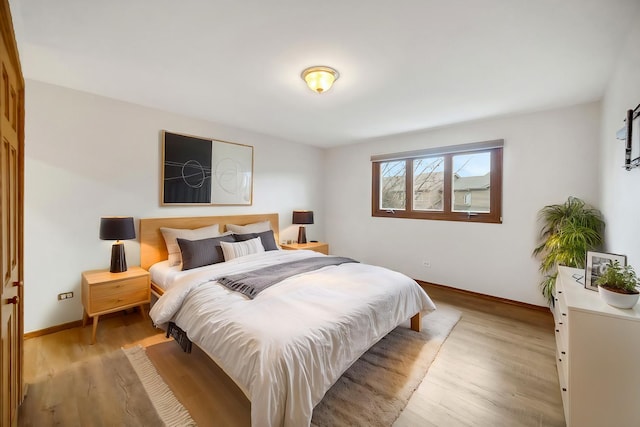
[(205, 171)]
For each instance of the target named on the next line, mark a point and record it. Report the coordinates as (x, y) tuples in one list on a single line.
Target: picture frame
[(596, 264), (205, 171), (630, 134)]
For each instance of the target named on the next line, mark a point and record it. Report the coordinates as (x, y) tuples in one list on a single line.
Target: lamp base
[(118, 258), (302, 235)]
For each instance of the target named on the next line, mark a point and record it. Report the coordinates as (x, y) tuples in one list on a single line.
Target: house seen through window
[(457, 183)]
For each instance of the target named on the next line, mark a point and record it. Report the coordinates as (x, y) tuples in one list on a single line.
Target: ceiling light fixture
[(319, 78)]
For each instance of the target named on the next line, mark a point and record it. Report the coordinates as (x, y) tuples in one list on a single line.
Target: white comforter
[(289, 345)]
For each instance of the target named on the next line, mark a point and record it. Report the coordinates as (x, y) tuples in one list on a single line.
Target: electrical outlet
[(426, 263), (65, 295)]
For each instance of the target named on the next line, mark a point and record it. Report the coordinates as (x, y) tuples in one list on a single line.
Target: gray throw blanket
[(253, 282)]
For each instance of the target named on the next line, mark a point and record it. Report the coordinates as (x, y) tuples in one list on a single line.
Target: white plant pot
[(618, 300)]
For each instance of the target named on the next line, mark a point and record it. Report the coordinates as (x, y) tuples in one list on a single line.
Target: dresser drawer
[(120, 293), (562, 364)]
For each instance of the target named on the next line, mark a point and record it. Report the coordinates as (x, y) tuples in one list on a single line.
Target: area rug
[(121, 388), (378, 386)]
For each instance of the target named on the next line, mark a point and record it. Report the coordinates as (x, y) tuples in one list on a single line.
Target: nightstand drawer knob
[(18, 283), (13, 300)]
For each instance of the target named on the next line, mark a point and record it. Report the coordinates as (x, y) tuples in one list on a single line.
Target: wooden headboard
[(153, 248)]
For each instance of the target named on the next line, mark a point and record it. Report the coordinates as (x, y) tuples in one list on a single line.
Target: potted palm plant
[(618, 285), (568, 231)]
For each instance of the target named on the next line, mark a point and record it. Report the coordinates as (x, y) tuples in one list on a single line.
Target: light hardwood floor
[(497, 368)]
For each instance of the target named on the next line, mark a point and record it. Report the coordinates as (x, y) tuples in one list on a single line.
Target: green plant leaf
[(568, 231), (619, 277)]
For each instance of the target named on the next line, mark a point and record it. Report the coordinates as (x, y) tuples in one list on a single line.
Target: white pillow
[(238, 249), (172, 234), (256, 227)]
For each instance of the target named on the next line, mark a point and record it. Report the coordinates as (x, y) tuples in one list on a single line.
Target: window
[(394, 195), (457, 183)]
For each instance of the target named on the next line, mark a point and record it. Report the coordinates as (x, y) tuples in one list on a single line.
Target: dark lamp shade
[(117, 228), (302, 217)]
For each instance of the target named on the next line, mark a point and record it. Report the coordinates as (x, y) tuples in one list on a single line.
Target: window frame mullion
[(409, 185), (447, 201)]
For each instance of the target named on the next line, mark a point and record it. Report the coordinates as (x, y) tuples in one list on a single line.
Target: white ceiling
[(405, 65)]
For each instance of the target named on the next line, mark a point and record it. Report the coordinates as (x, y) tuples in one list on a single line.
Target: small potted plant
[(618, 285)]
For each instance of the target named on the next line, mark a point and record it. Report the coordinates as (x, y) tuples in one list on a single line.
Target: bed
[(288, 345)]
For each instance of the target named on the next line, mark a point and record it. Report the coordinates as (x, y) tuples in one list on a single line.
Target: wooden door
[(11, 216)]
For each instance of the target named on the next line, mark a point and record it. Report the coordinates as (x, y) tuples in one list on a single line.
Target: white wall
[(620, 188), (548, 156), (75, 174), (88, 156)]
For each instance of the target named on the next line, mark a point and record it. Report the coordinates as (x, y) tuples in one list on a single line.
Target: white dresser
[(598, 356)]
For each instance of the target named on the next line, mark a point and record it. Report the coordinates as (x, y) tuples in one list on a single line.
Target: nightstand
[(105, 292), (312, 246)]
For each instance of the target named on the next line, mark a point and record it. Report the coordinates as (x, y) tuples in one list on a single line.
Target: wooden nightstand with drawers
[(105, 292), (312, 246)]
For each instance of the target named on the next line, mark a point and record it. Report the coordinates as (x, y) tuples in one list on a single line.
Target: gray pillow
[(198, 253), (268, 241), (171, 234)]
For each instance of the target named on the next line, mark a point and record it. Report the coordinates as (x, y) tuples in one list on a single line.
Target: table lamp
[(302, 217), (117, 228)]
